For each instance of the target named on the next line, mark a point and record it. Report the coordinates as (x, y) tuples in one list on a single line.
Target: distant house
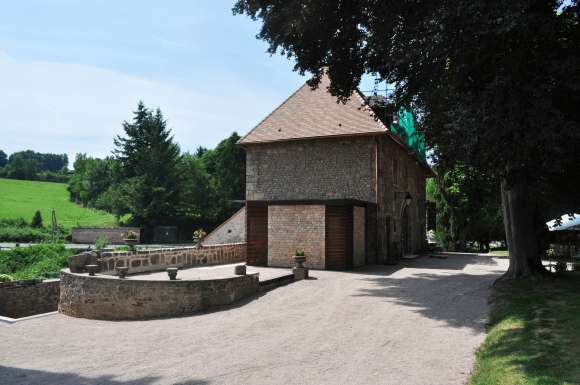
[(332, 179)]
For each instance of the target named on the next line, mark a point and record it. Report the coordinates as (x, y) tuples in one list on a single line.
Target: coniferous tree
[(150, 168), (36, 220)]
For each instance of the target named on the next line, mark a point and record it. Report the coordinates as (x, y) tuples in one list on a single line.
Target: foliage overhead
[(497, 83)]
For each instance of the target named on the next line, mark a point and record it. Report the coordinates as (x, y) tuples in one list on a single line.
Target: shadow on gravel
[(17, 376), (458, 299)]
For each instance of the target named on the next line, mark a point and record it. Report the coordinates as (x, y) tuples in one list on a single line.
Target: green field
[(21, 198)]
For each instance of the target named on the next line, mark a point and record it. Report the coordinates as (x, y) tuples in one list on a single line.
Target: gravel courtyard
[(415, 323)]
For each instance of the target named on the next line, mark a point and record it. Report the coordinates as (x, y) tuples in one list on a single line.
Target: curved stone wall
[(109, 298)]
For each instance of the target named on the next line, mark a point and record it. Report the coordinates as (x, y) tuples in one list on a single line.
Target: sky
[(72, 71)]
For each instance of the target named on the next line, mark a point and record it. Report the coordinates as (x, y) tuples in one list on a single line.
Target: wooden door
[(338, 237), (257, 233)]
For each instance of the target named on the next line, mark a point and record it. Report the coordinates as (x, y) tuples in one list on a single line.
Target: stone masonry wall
[(232, 230), (296, 226), (114, 235), (25, 298), (159, 259), (108, 298), (399, 173), (313, 169)]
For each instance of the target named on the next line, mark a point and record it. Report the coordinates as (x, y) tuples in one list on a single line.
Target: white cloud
[(58, 107)]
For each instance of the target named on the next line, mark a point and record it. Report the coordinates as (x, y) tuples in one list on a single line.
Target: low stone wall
[(108, 298), (160, 259), (114, 235), (25, 298)]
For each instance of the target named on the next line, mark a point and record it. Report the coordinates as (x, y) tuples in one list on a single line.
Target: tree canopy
[(496, 84)]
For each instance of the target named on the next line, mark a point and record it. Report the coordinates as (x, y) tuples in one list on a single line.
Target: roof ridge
[(272, 112)]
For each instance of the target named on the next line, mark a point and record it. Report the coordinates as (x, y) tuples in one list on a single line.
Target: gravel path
[(415, 323)]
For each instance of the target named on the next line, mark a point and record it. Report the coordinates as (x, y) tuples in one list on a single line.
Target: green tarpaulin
[(404, 127)]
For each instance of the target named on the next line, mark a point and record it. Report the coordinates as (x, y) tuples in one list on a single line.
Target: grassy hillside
[(21, 198)]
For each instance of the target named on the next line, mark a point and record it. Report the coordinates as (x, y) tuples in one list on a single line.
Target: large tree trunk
[(519, 218)]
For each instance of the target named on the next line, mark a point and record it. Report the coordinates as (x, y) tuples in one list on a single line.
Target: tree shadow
[(18, 376), (458, 299)]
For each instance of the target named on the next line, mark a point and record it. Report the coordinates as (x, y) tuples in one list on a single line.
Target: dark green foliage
[(226, 165), (149, 161), (36, 220), (468, 208), (496, 85), (92, 178), (18, 230), (36, 261), (3, 158), (149, 179), (36, 166)]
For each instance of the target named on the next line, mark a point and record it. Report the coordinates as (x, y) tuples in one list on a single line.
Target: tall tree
[(3, 158), (226, 166), (150, 167), (496, 82)]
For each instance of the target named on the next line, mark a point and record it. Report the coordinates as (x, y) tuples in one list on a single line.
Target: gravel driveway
[(415, 323)]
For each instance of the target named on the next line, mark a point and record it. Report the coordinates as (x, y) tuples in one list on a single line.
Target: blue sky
[(72, 71)]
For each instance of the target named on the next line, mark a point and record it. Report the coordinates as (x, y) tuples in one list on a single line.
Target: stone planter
[(92, 269), (299, 259), (131, 243), (122, 272), (172, 273), (240, 270)]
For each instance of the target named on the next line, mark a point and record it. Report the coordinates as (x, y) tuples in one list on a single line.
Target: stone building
[(331, 179)]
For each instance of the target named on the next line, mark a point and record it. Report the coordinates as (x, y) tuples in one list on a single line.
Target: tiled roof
[(309, 113)]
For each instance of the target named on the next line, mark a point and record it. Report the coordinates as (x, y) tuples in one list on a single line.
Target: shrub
[(561, 266), (23, 234), (36, 261), (101, 243), (6, 278), (36, 220)]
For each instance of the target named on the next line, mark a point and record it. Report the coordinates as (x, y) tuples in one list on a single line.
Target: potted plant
[(299, 257), (198, 236), (131, 239)]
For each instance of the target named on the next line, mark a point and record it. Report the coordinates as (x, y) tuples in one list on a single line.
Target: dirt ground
[(415, 323)]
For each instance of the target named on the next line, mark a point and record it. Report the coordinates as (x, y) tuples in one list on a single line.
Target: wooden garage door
[(257, 233), (338, 237)]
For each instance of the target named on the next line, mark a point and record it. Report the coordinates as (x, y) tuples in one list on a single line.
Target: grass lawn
[(534, 335), (500, 253), (21, 198)]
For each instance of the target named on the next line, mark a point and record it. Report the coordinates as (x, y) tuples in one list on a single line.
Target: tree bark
[(519, 217)]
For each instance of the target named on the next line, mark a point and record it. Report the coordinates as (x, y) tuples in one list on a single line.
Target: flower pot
[(172, 273), (131, 242), (299, 259), (122, 272)]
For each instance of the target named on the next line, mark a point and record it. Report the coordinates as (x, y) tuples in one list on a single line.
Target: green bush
[(36, 261), (18, 230), (6, 278), (23, 234), (36, 220), (101, 243)]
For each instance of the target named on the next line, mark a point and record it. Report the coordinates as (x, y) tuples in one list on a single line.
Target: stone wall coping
[(132, 279), (27, 282), (165, 249)]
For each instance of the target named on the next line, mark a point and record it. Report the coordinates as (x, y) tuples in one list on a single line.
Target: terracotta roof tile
[(309, 113)]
